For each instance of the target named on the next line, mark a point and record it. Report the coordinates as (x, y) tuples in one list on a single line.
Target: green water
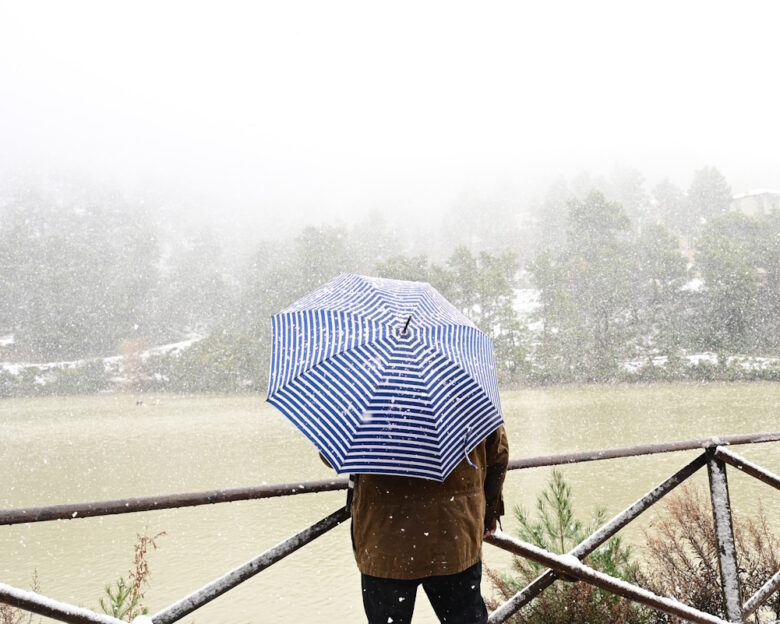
[(58, 450)]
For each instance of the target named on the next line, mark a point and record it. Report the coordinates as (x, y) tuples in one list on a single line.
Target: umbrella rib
[(476, 387), (426, 294), (384, 379), (465, 370), (337, 353), (380, 337)]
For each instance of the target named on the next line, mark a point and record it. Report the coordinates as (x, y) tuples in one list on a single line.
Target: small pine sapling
[(556, 528)]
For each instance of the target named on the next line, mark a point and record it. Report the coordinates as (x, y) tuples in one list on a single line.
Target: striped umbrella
[(384, 376)]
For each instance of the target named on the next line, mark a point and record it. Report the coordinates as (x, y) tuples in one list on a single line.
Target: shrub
[(682, 557), (125, 599), (12, 615)]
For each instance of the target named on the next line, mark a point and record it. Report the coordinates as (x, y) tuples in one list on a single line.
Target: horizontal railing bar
[(154, 503), (643, 449), (748, 467), (47, 607), (240, 574), (70, 511), (591, 543), (572, 567), (766, 590)]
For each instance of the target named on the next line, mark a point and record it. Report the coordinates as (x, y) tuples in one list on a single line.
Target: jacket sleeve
[(497, 451)]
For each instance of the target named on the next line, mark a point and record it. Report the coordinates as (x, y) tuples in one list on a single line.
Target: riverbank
[(108, 376)]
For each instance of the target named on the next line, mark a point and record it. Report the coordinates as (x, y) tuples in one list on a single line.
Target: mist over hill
[(625, 281)]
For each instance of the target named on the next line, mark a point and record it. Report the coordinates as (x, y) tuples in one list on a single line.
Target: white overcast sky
[(293, 107)]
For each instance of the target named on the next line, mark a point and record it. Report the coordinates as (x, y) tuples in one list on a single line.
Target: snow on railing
[(715, 456)]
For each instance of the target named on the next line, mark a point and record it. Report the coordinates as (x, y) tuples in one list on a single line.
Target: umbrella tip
[(407, 324)]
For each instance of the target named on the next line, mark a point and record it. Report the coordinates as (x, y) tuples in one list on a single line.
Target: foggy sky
[(324, 110)]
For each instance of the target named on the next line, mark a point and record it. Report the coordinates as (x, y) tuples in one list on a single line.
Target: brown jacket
[(408, 528)]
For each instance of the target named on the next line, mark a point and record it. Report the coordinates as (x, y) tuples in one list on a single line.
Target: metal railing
[(714, 455)]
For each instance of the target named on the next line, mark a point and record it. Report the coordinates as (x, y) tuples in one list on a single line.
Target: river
[(71, 449)]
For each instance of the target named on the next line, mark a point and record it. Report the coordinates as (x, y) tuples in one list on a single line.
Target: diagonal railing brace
[(240, 574), (591, 543), (766, 590), (748, 467), (573, 567)]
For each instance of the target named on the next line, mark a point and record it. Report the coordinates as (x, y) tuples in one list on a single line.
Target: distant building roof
[(754, 192)]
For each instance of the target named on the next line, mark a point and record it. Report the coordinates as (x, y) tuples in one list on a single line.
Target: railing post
[(724, 533)]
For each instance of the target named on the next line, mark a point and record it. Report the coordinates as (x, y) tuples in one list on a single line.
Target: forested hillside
[(623, 283)]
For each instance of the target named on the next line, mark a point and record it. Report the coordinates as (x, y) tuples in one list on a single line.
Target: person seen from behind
[(408, 531)]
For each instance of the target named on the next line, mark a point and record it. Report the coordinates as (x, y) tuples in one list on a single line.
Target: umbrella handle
[(351, 480), (465, 449)]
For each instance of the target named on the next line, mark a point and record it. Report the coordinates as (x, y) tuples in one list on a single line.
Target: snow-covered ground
[(694, 285), (114, 364), (746, 362), (527, 303)]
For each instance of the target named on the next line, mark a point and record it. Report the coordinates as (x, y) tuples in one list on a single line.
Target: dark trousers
[(455, 598)]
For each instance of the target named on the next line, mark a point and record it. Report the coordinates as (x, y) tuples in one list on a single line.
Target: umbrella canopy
[(384, 376)]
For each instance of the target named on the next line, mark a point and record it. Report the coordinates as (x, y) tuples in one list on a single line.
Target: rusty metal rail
[(244, 572), (740, 463), (41, 605), (714, 456), (644, 449), (36, 603), (74, 511), (724, 534), (582, 550), (766, 590), (570, 566), (71, 511)]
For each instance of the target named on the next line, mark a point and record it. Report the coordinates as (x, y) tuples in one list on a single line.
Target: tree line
[(627, 286)]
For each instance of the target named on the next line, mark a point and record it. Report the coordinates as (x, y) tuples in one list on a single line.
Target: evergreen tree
[(709, 195), (734, 256)]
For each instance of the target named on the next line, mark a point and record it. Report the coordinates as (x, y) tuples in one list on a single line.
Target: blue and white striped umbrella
[(384, 376)]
